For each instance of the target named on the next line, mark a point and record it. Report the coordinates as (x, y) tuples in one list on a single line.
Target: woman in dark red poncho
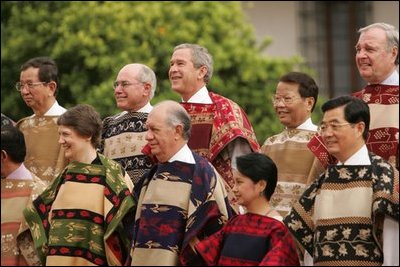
[(257, 237)]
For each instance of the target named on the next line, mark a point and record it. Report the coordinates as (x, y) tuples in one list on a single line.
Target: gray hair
[(147, 75), (176, 115), (392, 36), (200, 57)]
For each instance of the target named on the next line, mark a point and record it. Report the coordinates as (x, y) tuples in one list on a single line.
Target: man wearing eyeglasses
[(38, 86), (340, 218), (123, 135), (294, 100)]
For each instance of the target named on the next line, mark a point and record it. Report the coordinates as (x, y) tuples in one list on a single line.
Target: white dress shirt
[(308, 125), (393, 79), (21, 173), (200, 97), (55, 110), (183, 155)]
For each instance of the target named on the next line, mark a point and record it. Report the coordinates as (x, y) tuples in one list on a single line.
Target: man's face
[(292, 110), (130, 94), (183, 75), (374, 62), (339, 135), (160, 136), (35, 96)]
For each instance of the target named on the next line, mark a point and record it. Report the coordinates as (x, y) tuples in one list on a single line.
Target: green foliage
[(91, 41)]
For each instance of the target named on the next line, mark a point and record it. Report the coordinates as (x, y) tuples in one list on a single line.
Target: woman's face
[(74, 144), (245, 189)]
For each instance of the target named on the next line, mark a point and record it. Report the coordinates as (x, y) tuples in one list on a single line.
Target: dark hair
[(48, 70), (307, 85), (13, 142), (259, 167), (6, 120), (355, 110), (85, 120)]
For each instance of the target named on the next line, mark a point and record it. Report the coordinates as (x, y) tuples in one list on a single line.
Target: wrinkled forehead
[(373, 36)]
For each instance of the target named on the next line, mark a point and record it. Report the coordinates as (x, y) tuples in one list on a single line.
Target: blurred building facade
[(324, 33)]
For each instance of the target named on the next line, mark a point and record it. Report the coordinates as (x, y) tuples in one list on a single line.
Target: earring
[(261, 193)]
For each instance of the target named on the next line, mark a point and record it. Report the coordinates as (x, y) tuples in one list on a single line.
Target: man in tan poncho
[(19, 187), (294, 100), (38, 87)]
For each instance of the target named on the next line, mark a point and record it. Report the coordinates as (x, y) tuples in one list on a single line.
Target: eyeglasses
[(19, 86), (335, 126), (124, 84), (285, 100)]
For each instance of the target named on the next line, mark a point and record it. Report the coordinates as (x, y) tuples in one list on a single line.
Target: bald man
[(123, 134), (181, 200)]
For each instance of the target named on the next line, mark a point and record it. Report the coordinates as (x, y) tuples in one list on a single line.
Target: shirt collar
[(184, 155), (308, 125), (21, 173), (55, 110), (361, 157), (201, 97), (146, 109), (393, 79)]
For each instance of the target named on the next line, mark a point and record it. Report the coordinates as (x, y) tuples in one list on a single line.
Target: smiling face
[(374, 62), (74, 144), (245, 190), (346, 139), (131, 94), (297, 110), (185, 78)]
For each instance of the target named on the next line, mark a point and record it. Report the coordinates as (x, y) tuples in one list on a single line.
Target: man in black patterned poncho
[(339, 219), (123, 134), (181, 200)]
